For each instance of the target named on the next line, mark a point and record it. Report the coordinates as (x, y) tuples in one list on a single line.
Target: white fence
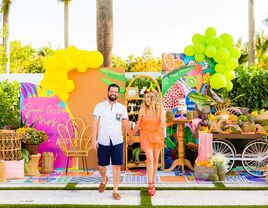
[(32, 78), (37, 77)]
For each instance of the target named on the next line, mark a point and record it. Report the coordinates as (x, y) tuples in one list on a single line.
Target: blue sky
[(164, 25)]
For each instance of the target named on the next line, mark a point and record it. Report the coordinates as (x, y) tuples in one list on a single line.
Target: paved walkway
[(68, 197), (209, 197), (132, 197)]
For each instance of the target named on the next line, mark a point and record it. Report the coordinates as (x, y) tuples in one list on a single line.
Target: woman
[(152, 125)]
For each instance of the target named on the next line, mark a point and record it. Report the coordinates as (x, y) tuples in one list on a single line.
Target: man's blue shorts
[(115, 152)]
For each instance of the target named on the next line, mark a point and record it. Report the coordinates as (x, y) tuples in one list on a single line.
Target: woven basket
[(2, 172), (10, 145), (47, 162)]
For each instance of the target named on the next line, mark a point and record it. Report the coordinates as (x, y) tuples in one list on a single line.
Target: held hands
[(131, 139), (94, 144), (164, 133)]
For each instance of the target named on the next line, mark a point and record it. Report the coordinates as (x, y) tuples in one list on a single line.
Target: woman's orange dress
[(151, 136)]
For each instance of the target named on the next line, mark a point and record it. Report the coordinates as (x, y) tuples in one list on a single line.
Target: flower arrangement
[(220, 161), (205, 163), (32, 136), (151, 90)]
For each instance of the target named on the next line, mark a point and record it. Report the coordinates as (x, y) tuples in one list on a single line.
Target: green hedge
[(252, 84), (144, 82), (9, 104)]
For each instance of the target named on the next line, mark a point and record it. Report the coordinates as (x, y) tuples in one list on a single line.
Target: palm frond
[(63, 1), (5, 5)]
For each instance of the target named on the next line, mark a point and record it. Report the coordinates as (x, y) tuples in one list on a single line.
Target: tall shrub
[(144, 82), (145, 63), (252, 84), (9, 104)]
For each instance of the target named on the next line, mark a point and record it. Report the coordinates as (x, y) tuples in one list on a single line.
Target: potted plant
[(31, 138), (26, 157), (221, 162), (30, 163)]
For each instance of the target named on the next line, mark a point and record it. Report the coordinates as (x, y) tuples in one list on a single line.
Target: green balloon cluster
[(220, 49)]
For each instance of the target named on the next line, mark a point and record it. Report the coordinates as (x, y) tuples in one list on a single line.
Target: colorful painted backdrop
[(181, 75), (43, 108)]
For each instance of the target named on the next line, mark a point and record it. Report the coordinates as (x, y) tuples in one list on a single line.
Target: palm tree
[(265, 21), (251, 29), (66, 22), (261, 45), (262, 50), (5, 7), (104, 23)]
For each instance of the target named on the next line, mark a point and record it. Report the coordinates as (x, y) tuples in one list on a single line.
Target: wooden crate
[(200, 170)]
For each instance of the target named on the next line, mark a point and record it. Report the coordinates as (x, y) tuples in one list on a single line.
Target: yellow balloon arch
[(63, 61)]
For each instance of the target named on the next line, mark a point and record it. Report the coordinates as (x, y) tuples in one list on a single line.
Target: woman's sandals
[(116, 196), (151, 189)]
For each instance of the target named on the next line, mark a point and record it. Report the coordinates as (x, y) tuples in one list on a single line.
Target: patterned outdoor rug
[(237, 175)]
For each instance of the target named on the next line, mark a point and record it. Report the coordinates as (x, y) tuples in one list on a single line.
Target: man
[(108, 117)]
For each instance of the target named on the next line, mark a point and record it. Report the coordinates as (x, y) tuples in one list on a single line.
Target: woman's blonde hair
[(156, 103)]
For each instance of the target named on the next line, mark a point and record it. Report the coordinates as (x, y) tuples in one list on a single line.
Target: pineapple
[(221, 175), (213, 177)]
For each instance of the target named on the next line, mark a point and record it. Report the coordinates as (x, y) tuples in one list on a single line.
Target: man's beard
[(112, 98)]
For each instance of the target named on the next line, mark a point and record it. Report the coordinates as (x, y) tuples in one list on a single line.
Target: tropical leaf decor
[(171, 78), (112, 75)]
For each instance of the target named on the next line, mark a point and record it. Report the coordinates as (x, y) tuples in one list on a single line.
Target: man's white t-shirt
[(110, 122)]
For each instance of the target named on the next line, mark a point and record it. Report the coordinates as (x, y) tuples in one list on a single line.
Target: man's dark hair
[(113, 85)]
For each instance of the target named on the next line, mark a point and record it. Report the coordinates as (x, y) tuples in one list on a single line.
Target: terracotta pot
[(32, 148)]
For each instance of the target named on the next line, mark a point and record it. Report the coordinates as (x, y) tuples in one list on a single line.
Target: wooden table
[(181, 161)]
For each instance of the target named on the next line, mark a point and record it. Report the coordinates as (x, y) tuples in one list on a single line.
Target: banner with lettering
[(43, 108)]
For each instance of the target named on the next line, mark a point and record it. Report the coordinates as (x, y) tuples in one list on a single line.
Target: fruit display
[(261, 120), (205, 122), (205, 163), (169, 115), (260, 116), (213, 177)]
